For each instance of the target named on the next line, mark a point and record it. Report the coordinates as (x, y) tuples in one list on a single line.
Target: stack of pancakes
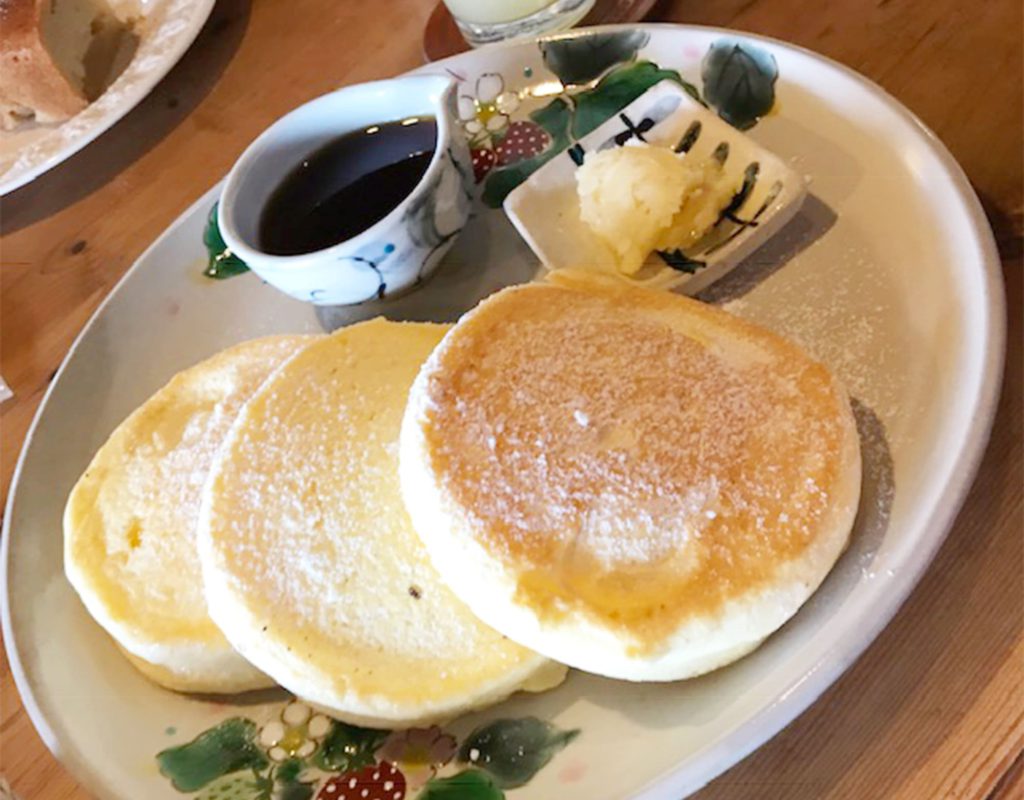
[(399, 522)]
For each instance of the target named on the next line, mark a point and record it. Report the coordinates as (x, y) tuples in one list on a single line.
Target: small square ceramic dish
[(545, 209)]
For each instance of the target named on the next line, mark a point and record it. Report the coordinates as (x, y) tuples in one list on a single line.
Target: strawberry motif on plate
[(484, 159), (380, 781), (523, 139)]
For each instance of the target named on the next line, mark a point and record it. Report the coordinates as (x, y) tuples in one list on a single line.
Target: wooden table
[(935, 708)]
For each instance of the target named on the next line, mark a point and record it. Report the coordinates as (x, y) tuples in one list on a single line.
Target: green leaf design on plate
[(739, 81), (502, 181), (289, 771), (580, 59), (230, 747), (618, 89), (512, 751), (222, 262), (555, 118), (293, 790), (239, 786), (348, 747), (287, 785), (469, 784)]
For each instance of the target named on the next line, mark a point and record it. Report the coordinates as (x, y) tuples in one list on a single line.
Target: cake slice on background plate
[(57, 56)]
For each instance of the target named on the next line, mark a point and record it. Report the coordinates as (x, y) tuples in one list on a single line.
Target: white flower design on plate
[(486, 112), (296, 734)]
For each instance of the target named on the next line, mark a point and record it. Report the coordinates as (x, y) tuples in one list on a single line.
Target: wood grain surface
[(935, 708)]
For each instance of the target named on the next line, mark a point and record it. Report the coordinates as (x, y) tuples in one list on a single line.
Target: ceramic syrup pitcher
[(395, 253)]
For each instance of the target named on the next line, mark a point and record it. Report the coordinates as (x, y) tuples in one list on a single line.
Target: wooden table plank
[(934, 708)]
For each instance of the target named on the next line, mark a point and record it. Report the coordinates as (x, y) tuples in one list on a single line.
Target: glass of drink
[(485, 21)]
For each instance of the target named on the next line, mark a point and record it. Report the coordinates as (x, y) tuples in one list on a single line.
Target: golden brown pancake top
[(636, 456)]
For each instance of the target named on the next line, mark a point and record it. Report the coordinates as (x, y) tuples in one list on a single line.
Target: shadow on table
[(160, 112), (1007, 225)]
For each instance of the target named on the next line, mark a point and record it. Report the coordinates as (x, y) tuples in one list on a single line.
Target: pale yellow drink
[(489, 11), (485, 21)]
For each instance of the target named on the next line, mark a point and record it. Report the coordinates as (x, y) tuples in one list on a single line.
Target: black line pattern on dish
[(773, 193), (689, 138), (655, 115), (638, 130), (681, 262), (738, 199)]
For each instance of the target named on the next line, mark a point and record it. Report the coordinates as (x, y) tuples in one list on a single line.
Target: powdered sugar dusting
[(689, 459), (845, 320), (149, 480), (311, 533)]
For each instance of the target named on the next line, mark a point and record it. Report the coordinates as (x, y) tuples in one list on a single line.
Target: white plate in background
[(165, 29)]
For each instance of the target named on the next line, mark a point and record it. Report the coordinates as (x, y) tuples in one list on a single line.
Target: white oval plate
[(166, 28), (888, 273)]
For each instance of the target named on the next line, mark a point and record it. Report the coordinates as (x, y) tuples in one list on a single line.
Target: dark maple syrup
[(346, 186)]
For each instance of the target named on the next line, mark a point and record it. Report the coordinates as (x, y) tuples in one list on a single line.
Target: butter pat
[(640, 198), (629, 197), (701, 207)]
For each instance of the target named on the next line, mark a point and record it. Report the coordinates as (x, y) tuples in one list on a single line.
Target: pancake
[(311, 566), (629, 482), (129, 524)]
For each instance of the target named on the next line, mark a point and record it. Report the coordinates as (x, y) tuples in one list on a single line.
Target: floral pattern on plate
[(301, 754), (598, 75)]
